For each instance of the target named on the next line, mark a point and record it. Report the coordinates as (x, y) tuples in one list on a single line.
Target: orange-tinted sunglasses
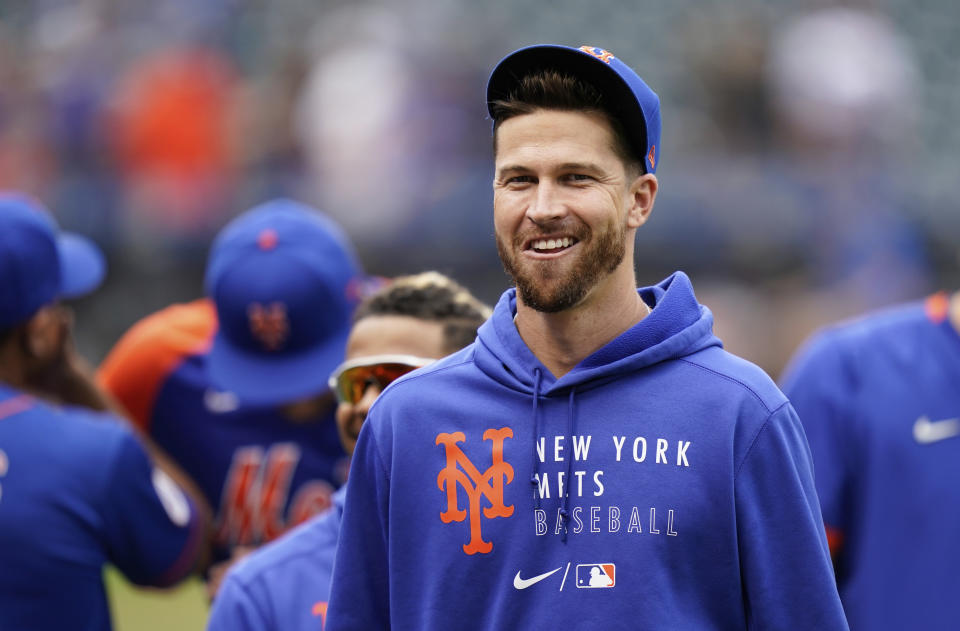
[(352, 378)]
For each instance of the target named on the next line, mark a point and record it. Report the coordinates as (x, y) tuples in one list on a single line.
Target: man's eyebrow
[(566, 166), (513, 168), (580, 166)]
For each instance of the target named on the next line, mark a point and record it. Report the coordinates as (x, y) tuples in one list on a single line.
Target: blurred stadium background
[(809, 162)]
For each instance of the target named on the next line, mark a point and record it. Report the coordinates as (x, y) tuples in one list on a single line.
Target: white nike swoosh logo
[(523, 583), (926, 431)]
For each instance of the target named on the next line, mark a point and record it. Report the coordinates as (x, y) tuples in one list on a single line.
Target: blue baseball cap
[(626, 95), (38, 262), (285, 281)]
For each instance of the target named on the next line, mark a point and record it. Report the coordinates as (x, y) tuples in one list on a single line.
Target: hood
[(677, 326)]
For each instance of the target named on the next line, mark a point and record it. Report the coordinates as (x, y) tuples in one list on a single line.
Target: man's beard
[(600, 257)]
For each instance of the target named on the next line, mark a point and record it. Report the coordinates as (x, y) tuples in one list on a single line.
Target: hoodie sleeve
[(152, 530), (785, 564), (360, 590)]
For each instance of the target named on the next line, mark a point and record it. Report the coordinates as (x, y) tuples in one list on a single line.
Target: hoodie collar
[(676, 326)]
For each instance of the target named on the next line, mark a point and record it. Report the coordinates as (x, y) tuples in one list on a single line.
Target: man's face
[(562, 200), (384, 335)]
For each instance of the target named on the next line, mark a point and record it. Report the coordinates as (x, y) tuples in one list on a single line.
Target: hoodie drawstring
[(534, 478), (571, 428)]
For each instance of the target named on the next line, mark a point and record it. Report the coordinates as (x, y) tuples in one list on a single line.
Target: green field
[(137, 609)]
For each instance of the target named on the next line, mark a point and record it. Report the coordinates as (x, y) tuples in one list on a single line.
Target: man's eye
[(517, 180), (578, 177)]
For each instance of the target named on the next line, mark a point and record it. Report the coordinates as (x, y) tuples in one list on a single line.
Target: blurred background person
[(77, 489), (808, 142), (408, 324), (231, 386), (170, 120), (879, 402)]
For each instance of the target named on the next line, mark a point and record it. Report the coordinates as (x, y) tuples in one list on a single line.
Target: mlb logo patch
[(596, 575)]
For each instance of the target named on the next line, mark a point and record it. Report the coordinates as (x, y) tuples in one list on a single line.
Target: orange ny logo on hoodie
[(489, 484)]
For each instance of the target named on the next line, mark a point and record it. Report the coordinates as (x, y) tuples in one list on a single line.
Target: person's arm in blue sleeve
[(154, 533), (236, 609), (360, 589), (785, 564), (820, 383)]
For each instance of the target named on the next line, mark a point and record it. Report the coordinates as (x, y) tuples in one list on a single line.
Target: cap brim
[(82, 265), (260, 379)]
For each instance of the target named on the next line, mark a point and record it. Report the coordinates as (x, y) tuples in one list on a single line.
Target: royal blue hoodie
[(690, 502), (284, 584)]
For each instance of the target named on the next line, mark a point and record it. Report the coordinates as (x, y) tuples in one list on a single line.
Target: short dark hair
[(433, 297), (554, 90)]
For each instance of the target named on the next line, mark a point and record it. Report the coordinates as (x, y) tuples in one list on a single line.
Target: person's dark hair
[(553, 90), (430, 296), (6, 334)]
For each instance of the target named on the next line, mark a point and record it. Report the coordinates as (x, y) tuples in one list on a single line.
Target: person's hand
[(218, 571)]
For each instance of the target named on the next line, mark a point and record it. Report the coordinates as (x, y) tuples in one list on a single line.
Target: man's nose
[(547, 204), (370, 394)]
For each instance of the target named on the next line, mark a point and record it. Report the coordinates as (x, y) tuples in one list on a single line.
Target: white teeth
[(552, 244)]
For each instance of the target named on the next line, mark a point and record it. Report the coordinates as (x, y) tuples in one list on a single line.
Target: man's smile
[(545, 247)]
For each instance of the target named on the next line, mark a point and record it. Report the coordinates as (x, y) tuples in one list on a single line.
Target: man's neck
[(562, 340)]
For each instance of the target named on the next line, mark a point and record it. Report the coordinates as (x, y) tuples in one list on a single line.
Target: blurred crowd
[(809, 164)]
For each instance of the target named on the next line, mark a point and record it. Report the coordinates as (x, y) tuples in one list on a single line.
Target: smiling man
[(595, 459)]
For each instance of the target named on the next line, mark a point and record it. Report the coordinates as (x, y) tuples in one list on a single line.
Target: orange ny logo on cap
[(269, 324), (652, 156), (599, 53), (488, 484)]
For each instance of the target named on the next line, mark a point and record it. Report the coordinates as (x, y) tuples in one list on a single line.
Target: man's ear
[(643, 192)]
